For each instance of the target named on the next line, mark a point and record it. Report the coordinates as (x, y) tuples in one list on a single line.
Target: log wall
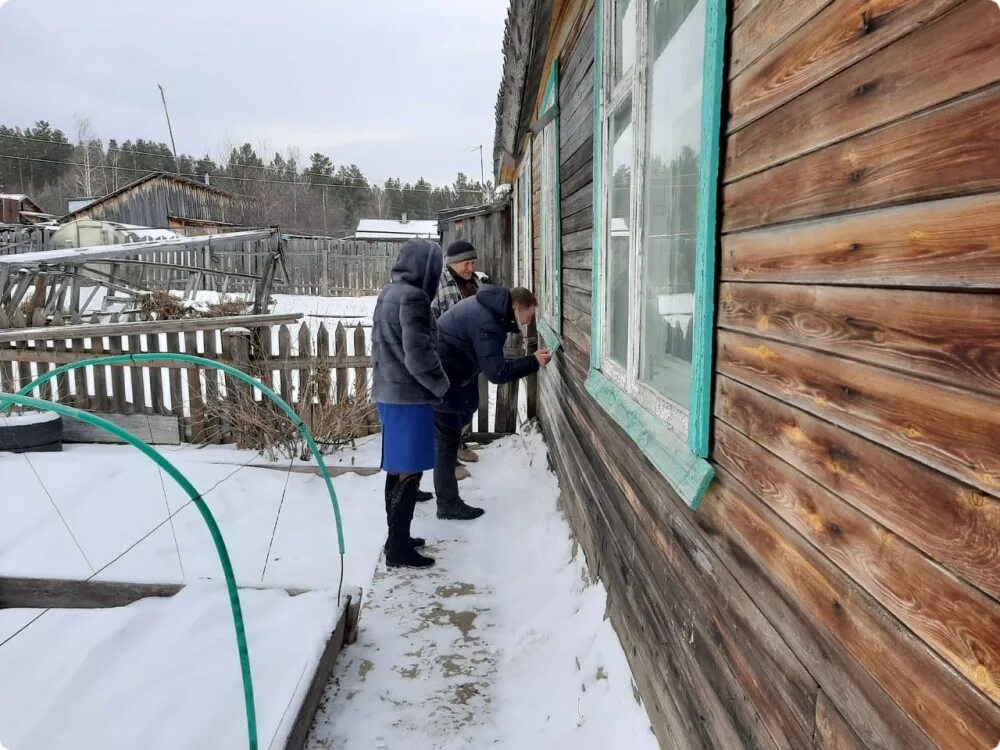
[(838, 587)]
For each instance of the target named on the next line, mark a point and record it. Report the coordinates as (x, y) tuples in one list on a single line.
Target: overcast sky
[(399, 87)]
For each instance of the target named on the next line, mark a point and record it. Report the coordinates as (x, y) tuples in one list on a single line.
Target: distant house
[(391, 229), (17, 208), (166, 201)]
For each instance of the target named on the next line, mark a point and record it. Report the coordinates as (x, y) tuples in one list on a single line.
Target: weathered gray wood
[(155, 429), (160, 326)]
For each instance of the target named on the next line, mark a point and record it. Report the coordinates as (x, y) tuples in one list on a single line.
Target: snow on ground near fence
[(505, 643), (160, 673)]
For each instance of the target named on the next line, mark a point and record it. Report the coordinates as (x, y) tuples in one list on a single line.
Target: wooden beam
[(184, 325), (154, 429)]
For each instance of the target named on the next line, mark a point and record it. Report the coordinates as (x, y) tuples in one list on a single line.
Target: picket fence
[(310, 365)]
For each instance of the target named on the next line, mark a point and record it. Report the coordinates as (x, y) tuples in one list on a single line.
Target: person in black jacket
[(472, 337), (407, 381)]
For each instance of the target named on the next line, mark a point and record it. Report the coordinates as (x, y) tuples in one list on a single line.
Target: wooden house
[(167, 201), (766, 239), (17, 208)]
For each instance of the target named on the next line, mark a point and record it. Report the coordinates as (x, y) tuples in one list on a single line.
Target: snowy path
[(503, 643)]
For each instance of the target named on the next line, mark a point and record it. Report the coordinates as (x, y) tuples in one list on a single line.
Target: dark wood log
[(945, 244), (951, 522), (954, 619), (900, 663), (950, 151), (844, 33), (951, 338), (768, 24), (948, 429), (900, 80)]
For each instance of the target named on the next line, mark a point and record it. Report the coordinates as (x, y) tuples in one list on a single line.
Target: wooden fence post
[(340, 340)]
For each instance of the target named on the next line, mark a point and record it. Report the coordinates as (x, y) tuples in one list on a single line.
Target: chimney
[(403, 220), (207, 180)]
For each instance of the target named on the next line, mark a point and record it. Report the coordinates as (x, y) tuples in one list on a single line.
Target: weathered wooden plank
[(361, 373), (845, 32), (340, 343), (954, 619), (832, 730), (951, 522), (949, 151), (155, 429), (905, 668), (92, 329), (948, 337), (119, 402), (580, 240), (195, 399), (82, 399), (284, 363), (101, 399), (766, 26), (951, 430), (950, 243), (156, 377), (483, 423), (581, 221), (214, 427), (730, 639), (135, 374), (900, 80)]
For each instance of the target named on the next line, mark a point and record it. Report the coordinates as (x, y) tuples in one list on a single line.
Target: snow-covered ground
[(503, 643)]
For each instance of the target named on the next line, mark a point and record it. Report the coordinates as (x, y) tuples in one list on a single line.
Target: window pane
[(619, 205), (550, 227), (676, 42), (624, 39)]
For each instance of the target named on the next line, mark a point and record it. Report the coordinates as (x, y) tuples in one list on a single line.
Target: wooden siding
[(838, 587), (160, 199), (489, 229)]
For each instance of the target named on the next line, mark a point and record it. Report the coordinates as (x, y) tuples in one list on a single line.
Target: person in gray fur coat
[(407, 382)]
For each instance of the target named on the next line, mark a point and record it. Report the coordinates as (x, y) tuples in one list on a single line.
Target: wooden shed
[(766, 239), (17, 208), (166, 201)]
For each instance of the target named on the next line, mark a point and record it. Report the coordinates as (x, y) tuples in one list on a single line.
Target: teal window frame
[(551, 327), (683, 463)]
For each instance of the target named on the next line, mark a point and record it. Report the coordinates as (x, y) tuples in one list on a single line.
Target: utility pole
[(482, 171), (173, 146)]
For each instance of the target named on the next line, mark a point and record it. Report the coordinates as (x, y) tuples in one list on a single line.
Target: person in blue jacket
[(472, 337), (408, 381)]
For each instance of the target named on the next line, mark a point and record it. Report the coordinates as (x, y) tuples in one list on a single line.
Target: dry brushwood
[(257, 424)]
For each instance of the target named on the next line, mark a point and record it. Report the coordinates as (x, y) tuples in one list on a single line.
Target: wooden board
[(943, 244), (947, 337), (950, 522), (961, 719), (900, 80), (951, 430), (949, 151), (155, 429), (954, 619), (767, 24), (845, 32)]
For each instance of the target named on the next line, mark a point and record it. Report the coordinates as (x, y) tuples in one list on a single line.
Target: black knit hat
[(459, 252)]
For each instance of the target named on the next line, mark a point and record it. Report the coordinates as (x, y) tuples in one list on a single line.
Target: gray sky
[(399, 87)]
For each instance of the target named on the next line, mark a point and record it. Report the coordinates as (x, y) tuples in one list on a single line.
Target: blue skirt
[(407, 437)]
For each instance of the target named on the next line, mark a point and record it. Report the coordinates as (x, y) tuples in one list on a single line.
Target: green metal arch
[(126, 359), (7, 400)]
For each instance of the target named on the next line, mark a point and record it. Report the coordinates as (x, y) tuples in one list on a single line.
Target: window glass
[(624, 40), (676, 31), (619, 215)]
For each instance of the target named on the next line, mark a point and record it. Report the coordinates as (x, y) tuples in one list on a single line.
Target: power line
[(252, 179)]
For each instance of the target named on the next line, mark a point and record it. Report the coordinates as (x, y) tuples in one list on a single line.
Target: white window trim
[(673, 415)]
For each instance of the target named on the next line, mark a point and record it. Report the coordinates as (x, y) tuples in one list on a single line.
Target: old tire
[(31, 432)]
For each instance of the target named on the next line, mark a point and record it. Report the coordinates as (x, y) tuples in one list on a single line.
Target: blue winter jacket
[(407, 369), (472, 337)]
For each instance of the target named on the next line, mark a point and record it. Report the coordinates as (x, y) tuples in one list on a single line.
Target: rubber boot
[(391, 480), (399, 552)]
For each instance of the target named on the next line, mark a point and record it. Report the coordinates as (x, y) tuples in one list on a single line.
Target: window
[(550, 301), (523, 252), (659, 103)]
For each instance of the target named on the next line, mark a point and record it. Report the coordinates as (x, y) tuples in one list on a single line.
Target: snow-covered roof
[(392, 228), (12, 196)]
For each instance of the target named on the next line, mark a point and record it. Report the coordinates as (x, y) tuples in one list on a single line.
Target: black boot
[(458, 511), (399, 552), (391, 480), (423, 496)]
